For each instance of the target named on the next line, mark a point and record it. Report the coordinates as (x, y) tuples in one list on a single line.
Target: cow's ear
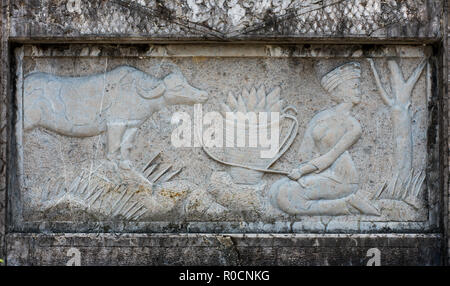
[(127, 80), (151, 93), (174, 80)]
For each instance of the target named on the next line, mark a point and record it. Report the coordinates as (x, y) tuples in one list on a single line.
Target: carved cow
[(116, 102)]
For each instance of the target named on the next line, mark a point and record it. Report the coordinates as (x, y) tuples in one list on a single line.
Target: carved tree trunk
[(402, 129), (400, 102)]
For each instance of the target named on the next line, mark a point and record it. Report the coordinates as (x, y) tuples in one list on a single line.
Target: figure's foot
[(362, 205), (125, 165)]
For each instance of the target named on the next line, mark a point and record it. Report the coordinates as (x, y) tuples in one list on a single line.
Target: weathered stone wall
[(225, 20), (447, 104), (57, 22), (227, 250), (4, 72)]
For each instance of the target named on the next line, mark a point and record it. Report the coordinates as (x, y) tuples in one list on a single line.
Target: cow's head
[(174, 88), (179, 91)]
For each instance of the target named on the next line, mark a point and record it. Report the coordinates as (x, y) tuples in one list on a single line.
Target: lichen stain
[(199, 59), (143, 189), (172, 194)]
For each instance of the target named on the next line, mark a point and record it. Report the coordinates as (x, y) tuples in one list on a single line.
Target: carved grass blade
[(121, 205), (75, 183), (408, 184), (380, 192), (393, 186), (90, 192), (418, 187), (139, 214), (83, 188), (415, 181), (157, 176), (150, 170), (151, 161), (129, 208), (98, 194), (171, 175), (120, 197), (60, 188), (134, 211)]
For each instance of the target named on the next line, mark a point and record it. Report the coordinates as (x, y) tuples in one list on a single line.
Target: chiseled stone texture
[(4, 70), (231, 250), (447, 102), (225, 20)]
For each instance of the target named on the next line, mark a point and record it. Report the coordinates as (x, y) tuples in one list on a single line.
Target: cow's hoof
[(125, 165)]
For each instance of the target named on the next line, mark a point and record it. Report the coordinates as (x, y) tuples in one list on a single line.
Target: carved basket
[(251, 156), (255, 100)]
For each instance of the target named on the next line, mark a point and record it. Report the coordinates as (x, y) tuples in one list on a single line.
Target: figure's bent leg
[(362, 205), (319, 187), (289, 196), (286, 195), (332, 197)]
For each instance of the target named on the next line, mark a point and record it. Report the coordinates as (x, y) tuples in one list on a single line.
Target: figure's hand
[(295, 174), (320, 164)]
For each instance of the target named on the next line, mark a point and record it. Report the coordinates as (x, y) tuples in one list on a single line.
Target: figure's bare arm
[(307, 150), (303, 169), (350, 137), (352, 134)]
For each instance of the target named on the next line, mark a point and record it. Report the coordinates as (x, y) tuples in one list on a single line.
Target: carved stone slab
[(97, 135)]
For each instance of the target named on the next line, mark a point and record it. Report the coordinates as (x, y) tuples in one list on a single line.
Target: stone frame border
[(27, 249), (337, 225), (223, 249)]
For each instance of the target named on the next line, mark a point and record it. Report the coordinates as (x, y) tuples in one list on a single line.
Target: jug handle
[(289, 139)]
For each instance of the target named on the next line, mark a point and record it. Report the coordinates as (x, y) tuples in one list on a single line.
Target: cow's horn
[(156, 92)]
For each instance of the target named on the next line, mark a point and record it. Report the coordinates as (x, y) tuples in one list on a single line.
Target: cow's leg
[(114, 134), (33, 107), (31, 117), (125, 147)]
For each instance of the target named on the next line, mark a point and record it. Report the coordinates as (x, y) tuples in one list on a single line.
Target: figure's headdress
[(340, 74)]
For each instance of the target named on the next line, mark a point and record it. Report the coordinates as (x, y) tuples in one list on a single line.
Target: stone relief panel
[(141, 142)]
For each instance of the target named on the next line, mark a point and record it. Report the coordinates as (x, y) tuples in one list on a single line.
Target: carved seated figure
[(327, 182)]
